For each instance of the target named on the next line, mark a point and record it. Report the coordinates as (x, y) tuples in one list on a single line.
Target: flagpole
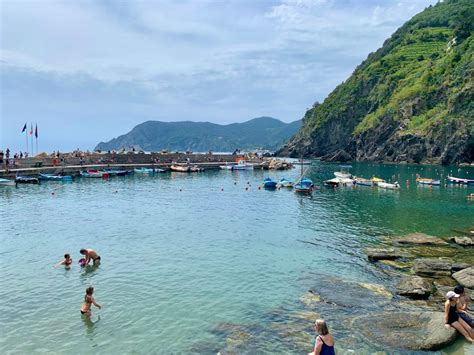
[(32, 148), (36, 136), (26, 136)]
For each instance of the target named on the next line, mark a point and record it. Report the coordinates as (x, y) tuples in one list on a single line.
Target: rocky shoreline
[(403, 314)]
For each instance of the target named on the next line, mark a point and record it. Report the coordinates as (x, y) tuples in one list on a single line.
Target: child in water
[(67, 261), (88, 302)]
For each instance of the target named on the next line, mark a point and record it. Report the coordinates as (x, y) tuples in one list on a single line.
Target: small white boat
[(285, 183), (456, 180), (424, 181), (7, 182), (241, 165), (227, 166), (343, 174), (389, 186), (144, 170)]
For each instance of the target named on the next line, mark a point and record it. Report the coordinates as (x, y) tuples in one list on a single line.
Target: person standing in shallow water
[(452, 318), (90, 254), (324, 344), (89, 300)]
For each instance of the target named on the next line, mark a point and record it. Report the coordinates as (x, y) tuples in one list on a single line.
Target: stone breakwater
[(404, 314), (73, 163)]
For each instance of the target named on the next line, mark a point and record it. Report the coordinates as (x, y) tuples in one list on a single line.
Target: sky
[(86, 71)]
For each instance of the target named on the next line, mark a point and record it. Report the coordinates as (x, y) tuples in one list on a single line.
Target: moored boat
[(143, 170), (425, 181), (26, 180), (376, 180), (363, 182), (269, 183), (7, 182), (227, 166), (113, 172), (94, 174), (332, 182), (53, 177), (305, 186), (242, 165), (180, 168), (456, 180), (389, 186), (285, 183)]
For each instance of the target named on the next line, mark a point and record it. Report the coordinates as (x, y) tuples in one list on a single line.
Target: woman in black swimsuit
[(89, 300), (452, 318)]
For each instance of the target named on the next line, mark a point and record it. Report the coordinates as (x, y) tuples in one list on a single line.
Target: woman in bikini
[(88, 302), (324, 344)]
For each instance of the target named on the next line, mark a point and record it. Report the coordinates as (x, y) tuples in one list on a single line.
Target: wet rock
[(432, 267), (419, 239), (375, 254), (399, 265), (463, 241), (310, 299), (378, 289), (465, 277), (406, 330), (414, 287), (459, 266)]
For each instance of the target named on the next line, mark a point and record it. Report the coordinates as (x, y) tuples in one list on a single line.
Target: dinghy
[(53, 177), (26, 180), (389, 186), (269, 183), (7, 182), (456, 180)]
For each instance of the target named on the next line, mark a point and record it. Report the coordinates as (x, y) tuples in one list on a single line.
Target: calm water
[(184, 255)]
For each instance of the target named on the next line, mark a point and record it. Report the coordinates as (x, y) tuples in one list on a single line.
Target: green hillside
[(258, 133), (410, 101)]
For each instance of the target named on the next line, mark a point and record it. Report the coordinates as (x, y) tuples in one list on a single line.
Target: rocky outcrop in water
[(406, 330), (465, 277), (414, 287)]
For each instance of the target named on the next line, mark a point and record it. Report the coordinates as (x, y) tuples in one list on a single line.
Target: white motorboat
[(6, 182), (389, 186)]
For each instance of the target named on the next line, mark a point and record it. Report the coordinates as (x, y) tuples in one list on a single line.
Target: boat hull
[(26, 180), (388, 186), (48, 177), (6, 182), (455, 180)]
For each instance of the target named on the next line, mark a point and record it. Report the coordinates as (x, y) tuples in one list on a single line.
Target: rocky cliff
[(410, 101)]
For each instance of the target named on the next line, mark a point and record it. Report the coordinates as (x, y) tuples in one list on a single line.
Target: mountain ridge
[(257, 133)]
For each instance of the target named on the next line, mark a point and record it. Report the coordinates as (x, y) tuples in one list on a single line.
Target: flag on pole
[(36, 131), (24, 128), (31, 130)]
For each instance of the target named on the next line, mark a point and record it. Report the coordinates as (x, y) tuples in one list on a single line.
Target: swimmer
[(67, 261), (88, 302), (91, 254)]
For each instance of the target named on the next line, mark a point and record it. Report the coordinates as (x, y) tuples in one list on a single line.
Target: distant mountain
[(258, 133), (410, 101)]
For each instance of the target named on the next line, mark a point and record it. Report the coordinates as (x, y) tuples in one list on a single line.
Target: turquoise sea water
[(187, 257)]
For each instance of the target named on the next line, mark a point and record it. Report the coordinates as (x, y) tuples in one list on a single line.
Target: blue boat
[(269, 183), (305, 186), (26, 180), (55, 177)]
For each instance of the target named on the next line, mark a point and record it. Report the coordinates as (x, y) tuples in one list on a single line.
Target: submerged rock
[(310, 299), (465, 277), (378, 289), (463, 241), (375, 254), (419, 239), (406, 330), (414, 287), (432, 267)]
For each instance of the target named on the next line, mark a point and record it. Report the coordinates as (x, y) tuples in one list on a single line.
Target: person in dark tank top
[(451, 317), (324, 344)]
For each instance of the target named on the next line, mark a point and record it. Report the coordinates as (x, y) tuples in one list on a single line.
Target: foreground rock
[(463, 241), (414, 287), (432, 267), (465, 277), (420, 239), (375, 254), (406, 330)]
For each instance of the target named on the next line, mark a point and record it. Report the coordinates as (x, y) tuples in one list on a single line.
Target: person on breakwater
[(88, 302), (324, 344), (452, 318), (91, 254), (67, 261), (463, 304)]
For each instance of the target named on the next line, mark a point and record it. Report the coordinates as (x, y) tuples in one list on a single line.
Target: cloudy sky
[(87, 71)]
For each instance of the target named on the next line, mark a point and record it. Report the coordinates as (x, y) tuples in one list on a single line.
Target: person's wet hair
[(67, 256), (83, 251), (89, 291), (459, 289)]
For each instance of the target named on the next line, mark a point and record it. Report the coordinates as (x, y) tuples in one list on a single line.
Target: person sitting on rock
[(452, 318), (324, 344), (463, 303)]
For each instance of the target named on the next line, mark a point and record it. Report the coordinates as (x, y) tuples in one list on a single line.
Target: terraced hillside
[(411, 100)]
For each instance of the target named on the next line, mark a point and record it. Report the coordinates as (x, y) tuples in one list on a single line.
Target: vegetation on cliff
[(258, 133), (411, 100)]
